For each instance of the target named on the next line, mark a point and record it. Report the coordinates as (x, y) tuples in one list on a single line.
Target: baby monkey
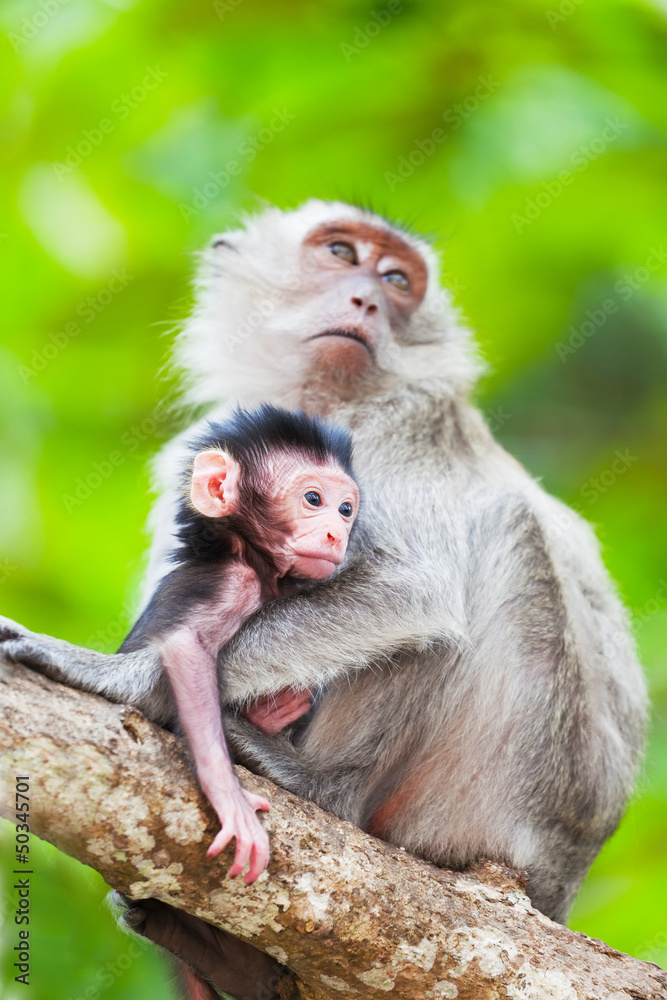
[(269, 500)]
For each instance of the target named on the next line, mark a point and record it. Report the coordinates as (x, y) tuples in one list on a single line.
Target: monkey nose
[(360, 303)]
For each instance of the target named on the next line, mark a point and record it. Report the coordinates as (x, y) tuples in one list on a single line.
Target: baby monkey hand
[(237, 812)]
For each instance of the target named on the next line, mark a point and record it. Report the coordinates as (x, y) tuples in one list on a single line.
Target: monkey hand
[(272, 713), (9, 629), (237, 812), (40, 652)]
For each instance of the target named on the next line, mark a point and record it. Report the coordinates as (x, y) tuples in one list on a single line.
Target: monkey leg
[(213, 955), (273, 713), (338, 787), (273, 756)]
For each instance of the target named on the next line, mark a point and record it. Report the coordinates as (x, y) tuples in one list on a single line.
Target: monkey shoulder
[(523, 541), (521, 515)]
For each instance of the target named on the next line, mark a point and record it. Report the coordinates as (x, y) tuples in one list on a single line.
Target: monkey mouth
[(315, 566), (331, 557), (349, 333)]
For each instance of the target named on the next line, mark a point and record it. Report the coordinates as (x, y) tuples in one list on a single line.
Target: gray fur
[(135, 678), (505, 662), (473, 650)]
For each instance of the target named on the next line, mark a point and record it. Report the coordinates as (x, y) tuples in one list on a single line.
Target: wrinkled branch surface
[(350, 915)]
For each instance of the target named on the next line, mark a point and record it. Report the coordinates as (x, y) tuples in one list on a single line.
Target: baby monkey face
[(313, 506), (319, 504)]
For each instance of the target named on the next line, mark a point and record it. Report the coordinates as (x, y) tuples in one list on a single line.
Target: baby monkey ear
[(215, 483)]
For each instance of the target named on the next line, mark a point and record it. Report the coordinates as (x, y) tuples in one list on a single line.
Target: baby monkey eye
[(313, 498), (398, 280), (345, 251), (345, 509)]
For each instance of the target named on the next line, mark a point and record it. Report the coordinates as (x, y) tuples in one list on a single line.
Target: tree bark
[(349, 915)]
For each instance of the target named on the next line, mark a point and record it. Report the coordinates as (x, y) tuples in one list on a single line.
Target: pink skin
[(317, 541), (273, 713), (312, 545)]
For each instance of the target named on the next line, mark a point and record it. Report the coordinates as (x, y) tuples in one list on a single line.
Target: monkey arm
[(135, 674), (374, 608), (135, 677), (192, 672)]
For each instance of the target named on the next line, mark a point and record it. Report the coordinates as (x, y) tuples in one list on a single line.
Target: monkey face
[(318, 506), (297, 511), (364, 283), (320, 306)]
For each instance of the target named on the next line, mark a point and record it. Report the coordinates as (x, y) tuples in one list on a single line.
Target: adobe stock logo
[(217, 180), (596, 317), (31, 26), (86, 311), (453, 117), (594, 488), (120, 109), (579, 159)]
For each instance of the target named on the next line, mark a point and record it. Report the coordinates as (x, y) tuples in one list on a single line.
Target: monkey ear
[(221, 241), (215, 483)]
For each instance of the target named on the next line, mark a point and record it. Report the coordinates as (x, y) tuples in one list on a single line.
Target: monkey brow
[(379, 230)]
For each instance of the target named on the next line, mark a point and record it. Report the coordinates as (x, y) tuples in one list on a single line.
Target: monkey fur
[(482, 693)]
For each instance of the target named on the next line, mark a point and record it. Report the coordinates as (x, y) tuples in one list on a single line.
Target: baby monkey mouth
[(349, 332), (322, 556)]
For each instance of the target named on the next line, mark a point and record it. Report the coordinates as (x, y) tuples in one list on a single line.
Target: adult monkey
[(504, 711)]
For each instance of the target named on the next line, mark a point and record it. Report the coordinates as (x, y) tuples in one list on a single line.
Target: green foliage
[(529, 137)]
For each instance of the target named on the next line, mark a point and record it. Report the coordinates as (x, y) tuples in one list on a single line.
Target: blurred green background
[(529, 137)]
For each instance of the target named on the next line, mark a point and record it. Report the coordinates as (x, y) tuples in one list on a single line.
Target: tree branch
[(347, 913)]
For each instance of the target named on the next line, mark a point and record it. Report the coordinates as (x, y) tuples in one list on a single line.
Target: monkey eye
[(398, 279), (313, 498), (345, 509), (345, 251)]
